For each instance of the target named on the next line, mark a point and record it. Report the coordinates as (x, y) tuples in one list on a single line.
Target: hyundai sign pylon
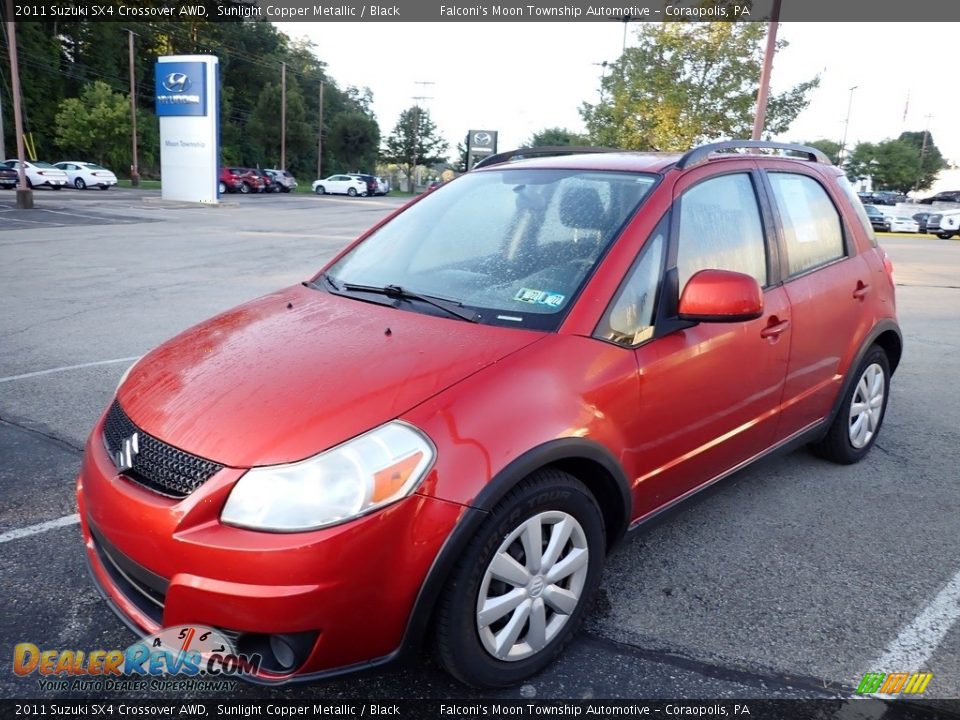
[(187, 101)]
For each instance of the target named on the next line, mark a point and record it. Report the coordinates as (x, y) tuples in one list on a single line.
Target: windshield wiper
[(395, 292)]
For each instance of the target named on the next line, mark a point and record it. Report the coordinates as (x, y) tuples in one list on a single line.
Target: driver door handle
[(775, 328)]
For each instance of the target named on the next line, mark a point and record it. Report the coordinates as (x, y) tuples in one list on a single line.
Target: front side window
[(629, 320), (516, 245), (811, 224), (720, 229)]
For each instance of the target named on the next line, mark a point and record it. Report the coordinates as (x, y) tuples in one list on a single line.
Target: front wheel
[(319, 190), (245, 188), (523, 584), (944, 235), (854, 430), (80, 184)]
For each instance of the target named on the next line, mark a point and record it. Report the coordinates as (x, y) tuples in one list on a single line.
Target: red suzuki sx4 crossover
[(449, 426)]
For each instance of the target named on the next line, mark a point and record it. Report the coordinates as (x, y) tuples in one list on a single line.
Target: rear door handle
[(775, 328), (862, 290)]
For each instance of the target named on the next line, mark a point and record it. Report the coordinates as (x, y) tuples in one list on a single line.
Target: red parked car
[(449, 426)]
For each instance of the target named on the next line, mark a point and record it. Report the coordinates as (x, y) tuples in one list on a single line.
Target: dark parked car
[(888, 197), (270, 185), (444, 431), (373, 187), (8, 177), (945, 196), (878, 220)]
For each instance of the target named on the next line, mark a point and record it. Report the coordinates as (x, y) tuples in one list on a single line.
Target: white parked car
[(383, 186), (944, 224), (40, 174), (340, 185), (86, 174), (904, 223)]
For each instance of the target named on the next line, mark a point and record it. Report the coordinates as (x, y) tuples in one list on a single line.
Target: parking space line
[(38, 373), (39, 528), (917, 642)]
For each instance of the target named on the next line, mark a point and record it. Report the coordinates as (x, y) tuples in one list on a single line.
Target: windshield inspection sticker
[(539, 297)]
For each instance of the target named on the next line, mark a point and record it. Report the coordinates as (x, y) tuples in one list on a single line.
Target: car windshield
[(515, 244)]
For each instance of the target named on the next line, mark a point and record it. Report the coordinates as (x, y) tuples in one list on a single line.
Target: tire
[(29, 183), (79, 184), (285, 189), (320, 190), (482, 651), (944, 235), (221, 187), (850, 438), (56, 187), (104, 187), (352, 192), (245, 188)]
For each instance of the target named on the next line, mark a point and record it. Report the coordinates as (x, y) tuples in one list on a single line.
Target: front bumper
[(163, 562)]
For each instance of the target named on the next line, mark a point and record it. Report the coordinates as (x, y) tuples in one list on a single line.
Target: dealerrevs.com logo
[(195, 656)]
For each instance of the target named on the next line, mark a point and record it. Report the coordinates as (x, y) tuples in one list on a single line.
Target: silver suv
[(285, 181)]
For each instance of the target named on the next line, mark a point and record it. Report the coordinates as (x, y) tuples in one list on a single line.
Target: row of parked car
[(255, 180), (944, 224), (352, 184), (81, 175)]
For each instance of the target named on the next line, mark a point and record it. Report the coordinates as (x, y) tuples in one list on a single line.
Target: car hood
[(293, 373)]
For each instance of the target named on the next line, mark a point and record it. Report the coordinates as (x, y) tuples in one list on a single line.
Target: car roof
[(623, 161)]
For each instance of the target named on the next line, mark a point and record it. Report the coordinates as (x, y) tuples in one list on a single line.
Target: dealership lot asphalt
[(790, 579)]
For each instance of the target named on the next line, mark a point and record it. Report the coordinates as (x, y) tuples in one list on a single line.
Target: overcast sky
[(519, 78)]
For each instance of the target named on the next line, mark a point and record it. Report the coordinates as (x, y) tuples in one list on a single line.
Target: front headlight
[(352, 479)]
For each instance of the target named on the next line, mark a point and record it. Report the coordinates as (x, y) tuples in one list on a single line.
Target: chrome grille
[(157, 466)]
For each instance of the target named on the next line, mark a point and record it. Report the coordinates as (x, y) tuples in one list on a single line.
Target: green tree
[(96, 125), (686, 83), (930, 161), (892, 164), (414, 141), (556, 136), (354, 139), (830, 148)]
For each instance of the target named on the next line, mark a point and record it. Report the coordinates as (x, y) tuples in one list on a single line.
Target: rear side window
[(720, 229), (811, 224), (857, 202)]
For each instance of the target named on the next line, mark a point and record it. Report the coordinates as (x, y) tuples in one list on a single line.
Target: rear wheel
[(352, 192), (523, 584), (56, 187), (245, 188), (221, 187), (857, 424), (80, 184)]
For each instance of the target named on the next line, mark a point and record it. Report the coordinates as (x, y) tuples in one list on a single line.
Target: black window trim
[(849, 247)]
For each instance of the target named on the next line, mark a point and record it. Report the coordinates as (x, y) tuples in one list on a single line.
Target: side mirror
[(721, 296)]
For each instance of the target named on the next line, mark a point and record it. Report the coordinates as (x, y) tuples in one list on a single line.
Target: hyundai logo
[(482, 138), (176, 82), (129, 449)]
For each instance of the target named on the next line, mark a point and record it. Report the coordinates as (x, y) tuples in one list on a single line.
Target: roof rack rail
[(702, 154), (531, 152)]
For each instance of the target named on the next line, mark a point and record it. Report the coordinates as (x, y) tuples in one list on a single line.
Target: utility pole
[(283, 116), (24, 194), (3, 144), (416, 129), (846, 126), (134, 170), (768, 54), (923, 152), (320, 135)]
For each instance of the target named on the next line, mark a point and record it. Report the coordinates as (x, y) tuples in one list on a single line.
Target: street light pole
[(24, 194), (846, 126)]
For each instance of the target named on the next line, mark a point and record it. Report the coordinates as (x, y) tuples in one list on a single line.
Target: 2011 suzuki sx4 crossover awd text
[(448, 427)]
